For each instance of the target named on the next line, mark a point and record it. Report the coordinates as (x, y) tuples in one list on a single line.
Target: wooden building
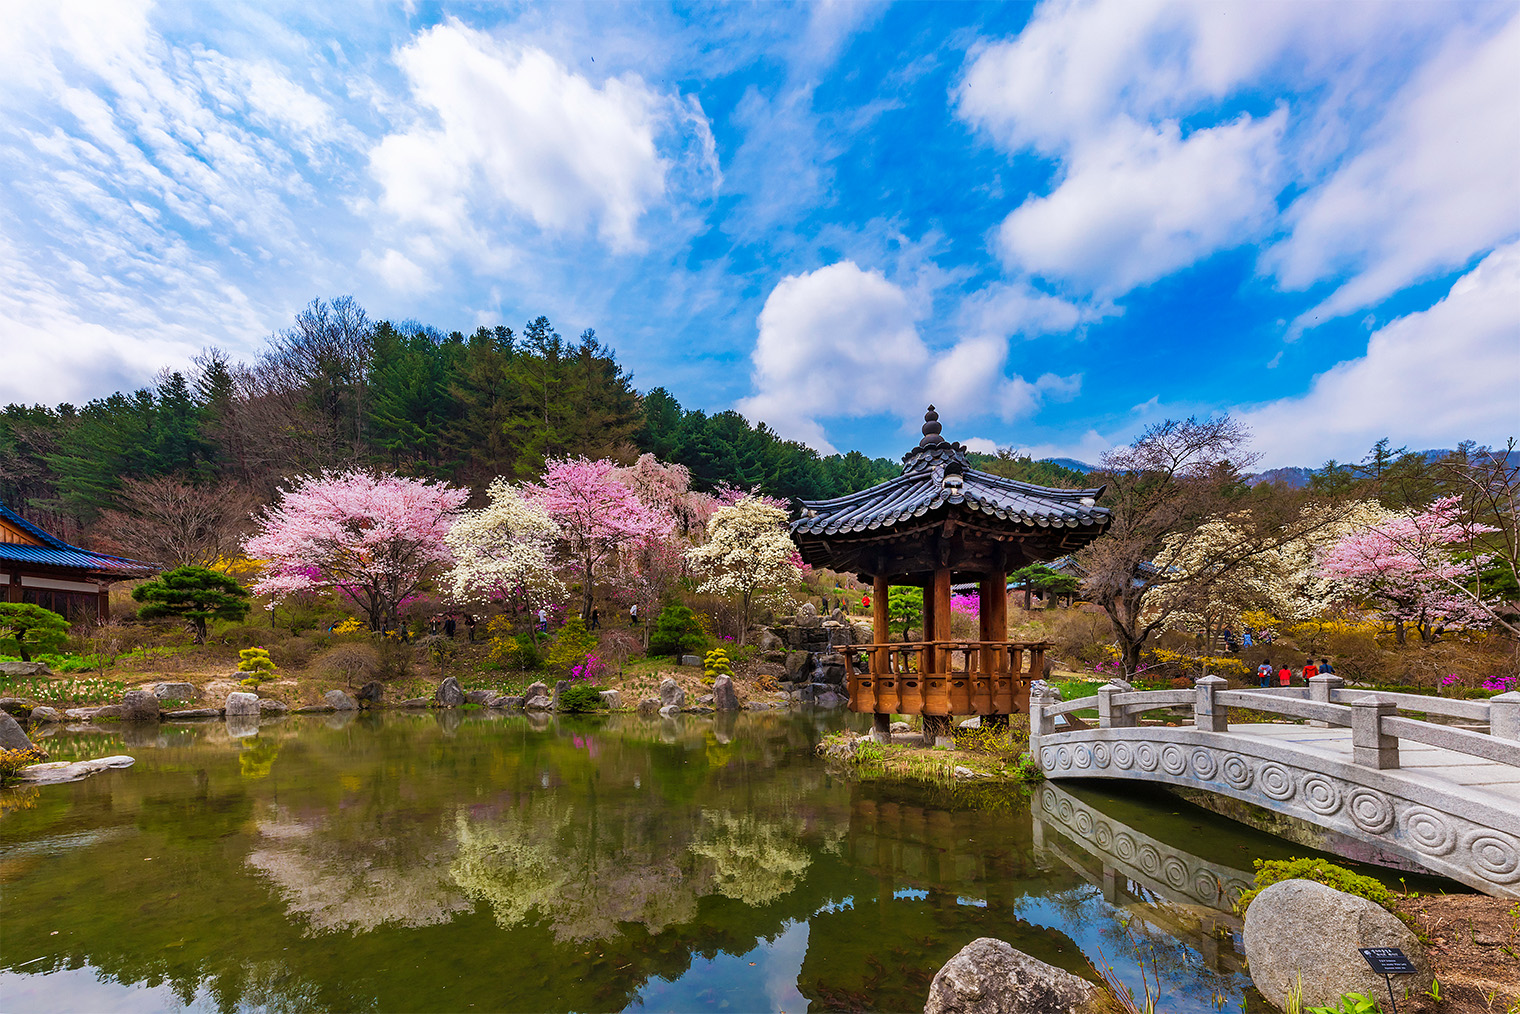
[(942, 522), (39, 568)]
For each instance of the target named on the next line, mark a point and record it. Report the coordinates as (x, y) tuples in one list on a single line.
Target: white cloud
[(1018, 309), (511, 136), (1142, 202), (1438, 183), (842, 341), (1433, 378)]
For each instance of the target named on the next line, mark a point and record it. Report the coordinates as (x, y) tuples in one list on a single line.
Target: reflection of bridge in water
[(1132, 868), (1443, 796)]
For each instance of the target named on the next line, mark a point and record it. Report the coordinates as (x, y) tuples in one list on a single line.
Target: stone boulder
[(559, 691), (415, 702), (539, 689), (988, 976), (829, 699), (481, 697), (839, 634), (139, 706), (185, 714), (671, 694), (766, 640), (449, 694), (16, 706), (669, 711), (339, 701), (371, 693), (43, 714), (24, 669), (612, 699), (271, 707), (57, 772), (649, 706), (799, 666), (176, 692), (807, 609), (724, 696), (901, 727), (1288, 915), (12, 736), (758, 706), (971, 723), (864, 633), (539, 702), (239, 703), (694, 660)]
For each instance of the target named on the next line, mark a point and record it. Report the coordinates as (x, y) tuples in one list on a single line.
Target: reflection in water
[(443, 861)]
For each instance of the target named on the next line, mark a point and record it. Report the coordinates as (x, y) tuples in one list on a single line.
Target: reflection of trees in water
[(582, 869), (339, 873), (754, 861)]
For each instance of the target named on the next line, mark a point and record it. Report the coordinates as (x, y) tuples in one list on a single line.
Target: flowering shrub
[(591, 670), (967, 605), (1500, 684), (348, 626)]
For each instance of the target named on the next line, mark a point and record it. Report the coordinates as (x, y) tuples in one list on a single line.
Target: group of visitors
[(1249, 637), (447, 624), (1286, 676)]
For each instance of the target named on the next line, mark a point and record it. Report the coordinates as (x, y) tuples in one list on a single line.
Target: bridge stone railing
[(1453, 829)]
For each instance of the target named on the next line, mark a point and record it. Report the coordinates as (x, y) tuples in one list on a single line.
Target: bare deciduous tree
[(165, 520)]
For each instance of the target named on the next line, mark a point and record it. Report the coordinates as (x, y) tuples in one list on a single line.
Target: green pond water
[(470, 861)]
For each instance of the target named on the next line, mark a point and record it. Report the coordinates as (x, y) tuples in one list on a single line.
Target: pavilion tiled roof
[(937, 479), (54, 552)]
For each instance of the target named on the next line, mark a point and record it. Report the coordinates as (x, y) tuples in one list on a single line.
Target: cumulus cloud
[(1132, 99), (1142, 202), (1432, 378), (509, 136), (1436, 185), (843, 341)]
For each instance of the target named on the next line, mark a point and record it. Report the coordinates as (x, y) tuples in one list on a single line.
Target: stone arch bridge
[(1423, 782)]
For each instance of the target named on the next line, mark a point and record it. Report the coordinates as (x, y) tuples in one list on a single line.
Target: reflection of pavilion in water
[(1188, 896)]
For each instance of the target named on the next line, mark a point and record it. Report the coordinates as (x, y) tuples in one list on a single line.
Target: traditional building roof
[(23, 544), (938, 487)]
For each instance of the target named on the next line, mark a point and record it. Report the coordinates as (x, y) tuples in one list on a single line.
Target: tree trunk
[(1398, 631), (200, 630), (744, 619)]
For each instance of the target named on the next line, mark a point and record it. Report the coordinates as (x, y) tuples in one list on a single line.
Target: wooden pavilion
[(942, 522), (40, 568)]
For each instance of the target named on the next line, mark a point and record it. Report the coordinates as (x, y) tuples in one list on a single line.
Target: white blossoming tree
[(747, 552), (502, 551)]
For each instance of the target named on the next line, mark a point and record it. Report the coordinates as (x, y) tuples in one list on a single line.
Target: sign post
[(1387, 961)]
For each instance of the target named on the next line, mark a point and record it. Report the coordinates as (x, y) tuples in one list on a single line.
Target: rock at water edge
[(539, 689), (669, 711), (989, 977), (449, 694), (339, 701), (57, 772), (542, 702), (139, 706), (559, 691), (671, 694), (649, 706), (241, 704), (478, 696), (42, 713), (12, 736), (16, 706), (612, 699), (269, 707), (725, 697), (798, 666), (176, 692), (1303, 929), (371, 693)]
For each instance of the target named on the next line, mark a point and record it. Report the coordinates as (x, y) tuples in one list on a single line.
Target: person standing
[(449, 626), (1324, 667), (1285, 676), (633, 614), (469, 626), (543, 620), (1264, 673), (1310, 671), (1245, 637)]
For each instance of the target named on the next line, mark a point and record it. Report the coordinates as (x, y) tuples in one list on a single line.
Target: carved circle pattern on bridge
[(1372, 811)]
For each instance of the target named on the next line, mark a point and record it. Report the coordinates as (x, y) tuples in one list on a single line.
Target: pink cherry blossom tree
[(1408, 569), (598, 515), (373, 537)]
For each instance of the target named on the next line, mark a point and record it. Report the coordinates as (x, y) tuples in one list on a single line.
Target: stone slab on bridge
[(1444, 798)]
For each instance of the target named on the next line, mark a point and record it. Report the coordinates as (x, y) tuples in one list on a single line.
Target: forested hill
[(336, 390)]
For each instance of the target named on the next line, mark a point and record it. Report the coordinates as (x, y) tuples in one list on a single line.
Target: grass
[(65, 691)]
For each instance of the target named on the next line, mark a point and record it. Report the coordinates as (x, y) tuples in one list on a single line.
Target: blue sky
[(1059, 222)]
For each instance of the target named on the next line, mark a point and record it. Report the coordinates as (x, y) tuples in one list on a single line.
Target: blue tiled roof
[(56, 553)]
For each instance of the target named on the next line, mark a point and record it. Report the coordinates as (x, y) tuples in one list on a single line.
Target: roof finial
[(931, 429)]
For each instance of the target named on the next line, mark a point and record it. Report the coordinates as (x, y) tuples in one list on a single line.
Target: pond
[(476, 861)]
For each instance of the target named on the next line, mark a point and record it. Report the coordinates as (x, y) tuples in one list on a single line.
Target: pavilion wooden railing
[(943, 677)]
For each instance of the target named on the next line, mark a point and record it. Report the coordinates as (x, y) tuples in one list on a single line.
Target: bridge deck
[(1418, 762)]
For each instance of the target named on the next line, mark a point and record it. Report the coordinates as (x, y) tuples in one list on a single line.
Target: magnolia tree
[(598, 515), (1406, 566), (502, 552), (747, 552), (374, 538)]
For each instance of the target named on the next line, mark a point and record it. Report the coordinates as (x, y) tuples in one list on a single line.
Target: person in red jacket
[(1310, 671), (1285, 676)]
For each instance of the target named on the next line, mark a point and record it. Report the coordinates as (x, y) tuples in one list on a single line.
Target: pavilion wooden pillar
[(881, 661), (103, 604)]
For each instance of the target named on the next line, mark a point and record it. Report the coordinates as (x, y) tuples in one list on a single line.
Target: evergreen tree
[(195, 594)]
